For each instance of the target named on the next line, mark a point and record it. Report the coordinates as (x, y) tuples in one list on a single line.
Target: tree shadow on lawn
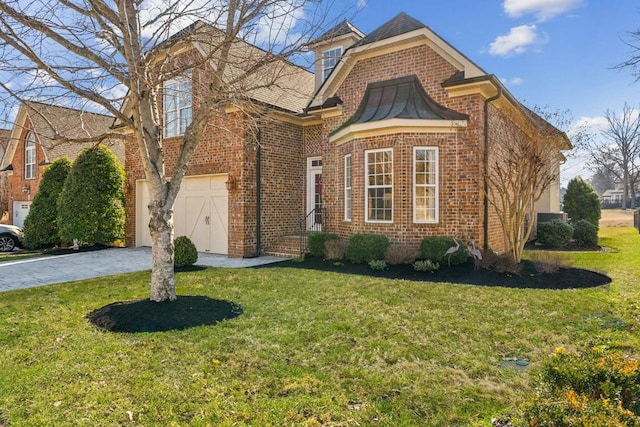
[(527, 278), (144, 315)]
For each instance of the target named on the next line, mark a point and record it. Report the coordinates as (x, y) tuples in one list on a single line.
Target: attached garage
[(201, 212)]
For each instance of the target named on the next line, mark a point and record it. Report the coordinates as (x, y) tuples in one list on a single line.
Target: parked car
[(10, 237)]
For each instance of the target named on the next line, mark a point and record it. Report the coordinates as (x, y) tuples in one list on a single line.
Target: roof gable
[(400, 24)]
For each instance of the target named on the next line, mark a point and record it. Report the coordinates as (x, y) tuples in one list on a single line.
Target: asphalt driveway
[(52, 269)]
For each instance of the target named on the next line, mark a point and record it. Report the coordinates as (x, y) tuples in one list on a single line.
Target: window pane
[(425, 185)]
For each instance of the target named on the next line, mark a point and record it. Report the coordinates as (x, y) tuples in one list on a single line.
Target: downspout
[(486, 165), (259, 194)]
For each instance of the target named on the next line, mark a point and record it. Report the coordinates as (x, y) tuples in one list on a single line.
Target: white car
[(10, 237)]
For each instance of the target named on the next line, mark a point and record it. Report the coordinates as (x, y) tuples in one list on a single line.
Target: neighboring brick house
[(391, 140), (32, 147), (5, 136)]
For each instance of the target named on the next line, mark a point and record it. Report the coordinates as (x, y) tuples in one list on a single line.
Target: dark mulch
[(564, 278), (147, 316), (64, 251)]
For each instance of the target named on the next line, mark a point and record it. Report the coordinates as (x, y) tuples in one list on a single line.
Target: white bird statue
[(475, 253), (452, 250)]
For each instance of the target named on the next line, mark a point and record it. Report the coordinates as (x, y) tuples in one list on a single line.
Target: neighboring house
[(613, 196), (5, 136), (33, 145), (387, 137)]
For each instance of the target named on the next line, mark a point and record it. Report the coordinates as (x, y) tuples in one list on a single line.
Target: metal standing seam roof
[(400, 98)]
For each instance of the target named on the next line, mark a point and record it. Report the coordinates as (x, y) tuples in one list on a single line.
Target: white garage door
[(201, 212)]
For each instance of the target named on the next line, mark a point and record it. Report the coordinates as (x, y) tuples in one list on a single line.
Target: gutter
[(486, 165)]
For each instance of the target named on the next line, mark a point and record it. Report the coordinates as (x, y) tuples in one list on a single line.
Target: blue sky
[(555, 53)]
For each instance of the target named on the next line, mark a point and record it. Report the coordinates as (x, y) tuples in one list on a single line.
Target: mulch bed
[(528, 278), (147, 316)]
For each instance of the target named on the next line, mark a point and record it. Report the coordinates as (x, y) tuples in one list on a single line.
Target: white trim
[(348, 186), (176, 88), (330, 55), (312, 171), (30, 156), (367, 187), (385, 127), (436, 185)]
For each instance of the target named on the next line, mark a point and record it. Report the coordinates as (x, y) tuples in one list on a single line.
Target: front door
[(314, 194), (20, 212)]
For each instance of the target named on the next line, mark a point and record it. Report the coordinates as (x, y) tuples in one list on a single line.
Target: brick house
[(387, 136), (32, 147)]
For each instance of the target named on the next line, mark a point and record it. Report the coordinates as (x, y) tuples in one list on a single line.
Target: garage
[(201, 212)]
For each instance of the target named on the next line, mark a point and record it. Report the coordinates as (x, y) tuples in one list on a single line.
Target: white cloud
[(592, 125), (542, 9), (362, 4), (517, 41), (513, 81)]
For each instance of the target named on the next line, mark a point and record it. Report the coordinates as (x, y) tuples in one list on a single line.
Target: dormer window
[(329, 60), (30, 157)]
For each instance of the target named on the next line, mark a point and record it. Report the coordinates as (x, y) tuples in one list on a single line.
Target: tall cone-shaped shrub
[(91, 206)]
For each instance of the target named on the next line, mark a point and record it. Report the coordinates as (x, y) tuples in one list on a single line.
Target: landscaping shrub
[(317, 242), (335, 249), (585, 234), (434, 248), (426, 265), (378, 264), (185, 252), (581, 202), (597, 387), (400, 254), (41, 224), (554, 234), (91, 205), (501, 263), (366, 247)]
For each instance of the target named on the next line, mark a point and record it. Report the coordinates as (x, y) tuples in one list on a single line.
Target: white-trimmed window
[(379, 185), (329, 60), (30, 156), (347, 187), (177, 105), (425, 184)]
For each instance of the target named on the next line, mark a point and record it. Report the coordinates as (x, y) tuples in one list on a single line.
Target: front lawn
[(311, 348)]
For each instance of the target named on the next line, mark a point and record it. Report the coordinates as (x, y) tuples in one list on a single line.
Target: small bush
[(426, 265), (185, 252), (378, 264), (597, 387), (366, 247), (554, 234), (502, 263), (547, 262), (317, 243), (435, 248), (400, 254), (585, 234), (581, 202), (335, 249)]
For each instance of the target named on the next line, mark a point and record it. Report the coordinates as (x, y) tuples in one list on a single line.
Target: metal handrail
[(314, 222)]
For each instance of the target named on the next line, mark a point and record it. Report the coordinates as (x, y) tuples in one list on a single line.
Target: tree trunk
[(163, 283)]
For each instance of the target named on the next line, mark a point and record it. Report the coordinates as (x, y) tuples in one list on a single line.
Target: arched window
[(30, 157)]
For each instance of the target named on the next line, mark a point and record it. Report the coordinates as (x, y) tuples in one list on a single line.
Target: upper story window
[(177, 100), (347, 187), (425, 184), (379, 185), (30, 156), (329, 60)]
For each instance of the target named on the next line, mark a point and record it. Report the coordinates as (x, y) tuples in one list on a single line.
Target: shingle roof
[(400, 24), (5, 136), (47, 120), (343, 28), (400, 98)]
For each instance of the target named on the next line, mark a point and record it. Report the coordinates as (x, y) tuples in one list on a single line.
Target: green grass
[(311, 349)]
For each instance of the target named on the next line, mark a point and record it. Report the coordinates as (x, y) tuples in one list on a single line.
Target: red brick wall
[(15, 180)]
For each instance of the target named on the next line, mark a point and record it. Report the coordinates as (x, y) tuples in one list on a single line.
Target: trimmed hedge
[(585, 234), (317, 243), (434, 249), (41, 224), (554, 234), (185, 252), (366, 247)]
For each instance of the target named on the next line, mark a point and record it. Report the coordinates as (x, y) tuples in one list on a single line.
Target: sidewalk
[(52, 269)]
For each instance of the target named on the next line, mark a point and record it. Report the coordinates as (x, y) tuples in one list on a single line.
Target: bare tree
[(117, 56), (524, 158), (602, 180), (618, 151)]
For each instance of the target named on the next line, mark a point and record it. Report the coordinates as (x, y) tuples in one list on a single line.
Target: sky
[(557, 54)]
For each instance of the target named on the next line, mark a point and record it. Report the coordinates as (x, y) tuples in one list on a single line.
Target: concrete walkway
[(51, 269)]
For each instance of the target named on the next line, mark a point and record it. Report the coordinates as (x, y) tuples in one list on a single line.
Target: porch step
[(288, 246)]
